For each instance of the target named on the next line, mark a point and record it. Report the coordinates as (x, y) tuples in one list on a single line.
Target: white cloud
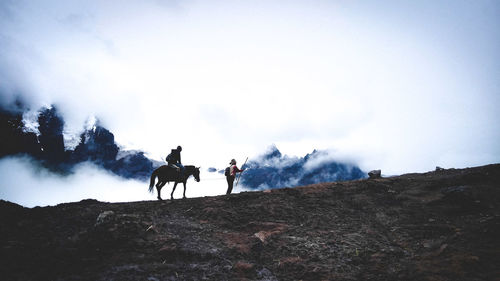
[(226, 79), (26, 183)]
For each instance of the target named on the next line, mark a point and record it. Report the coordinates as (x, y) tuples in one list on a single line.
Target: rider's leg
[(181, 167)]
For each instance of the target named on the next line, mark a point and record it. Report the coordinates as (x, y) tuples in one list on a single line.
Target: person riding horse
[(174, 160), (166, 174)]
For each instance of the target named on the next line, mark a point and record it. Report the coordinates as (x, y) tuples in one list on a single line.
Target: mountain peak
[(272, 152), (273, 170)]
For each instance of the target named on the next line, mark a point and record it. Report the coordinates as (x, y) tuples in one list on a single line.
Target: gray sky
[(402, 86)]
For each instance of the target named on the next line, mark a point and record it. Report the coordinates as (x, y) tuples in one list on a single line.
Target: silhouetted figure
[(233, 169), (167, 174), (174, 159)]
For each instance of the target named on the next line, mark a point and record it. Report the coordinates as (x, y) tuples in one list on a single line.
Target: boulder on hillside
[(375, 174)]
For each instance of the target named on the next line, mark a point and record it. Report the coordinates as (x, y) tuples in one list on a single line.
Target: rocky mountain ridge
[(441, 225), (97, 145), (274, 170)]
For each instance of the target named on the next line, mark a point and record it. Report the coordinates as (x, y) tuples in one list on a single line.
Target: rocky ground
[(442, 225)]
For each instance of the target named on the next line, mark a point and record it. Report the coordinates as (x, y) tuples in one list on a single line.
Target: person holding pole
[(233, 169)]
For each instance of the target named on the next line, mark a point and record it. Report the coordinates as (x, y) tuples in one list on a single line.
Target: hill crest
[(441, 225)]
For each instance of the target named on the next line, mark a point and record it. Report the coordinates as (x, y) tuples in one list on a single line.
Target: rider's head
[(179, 148), (233, 162)]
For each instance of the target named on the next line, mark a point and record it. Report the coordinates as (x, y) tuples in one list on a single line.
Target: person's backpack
[(169, 157), (227, 172)]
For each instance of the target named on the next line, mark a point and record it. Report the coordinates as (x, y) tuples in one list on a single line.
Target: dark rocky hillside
[(442, 225)]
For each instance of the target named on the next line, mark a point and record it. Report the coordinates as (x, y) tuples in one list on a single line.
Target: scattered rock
[(456, 190), (441, 249), (103, 217), (271, 229), (243, 266), (266, 275), (261, 235)]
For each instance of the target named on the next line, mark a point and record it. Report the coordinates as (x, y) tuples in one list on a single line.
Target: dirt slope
[(443, 225)]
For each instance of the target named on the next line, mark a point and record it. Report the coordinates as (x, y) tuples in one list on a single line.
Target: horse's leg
[(173, 189), (159, 185), (184, 195), (159, 192)]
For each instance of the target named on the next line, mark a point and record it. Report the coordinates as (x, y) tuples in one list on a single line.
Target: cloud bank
[(401, 87), (27, 183)]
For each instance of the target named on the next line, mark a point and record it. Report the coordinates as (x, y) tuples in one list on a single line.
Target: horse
[(167, 174)]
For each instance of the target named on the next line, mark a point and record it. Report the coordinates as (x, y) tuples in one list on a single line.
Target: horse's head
[(196, 174)]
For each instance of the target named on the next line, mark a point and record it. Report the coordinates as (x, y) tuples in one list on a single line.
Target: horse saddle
[(174, 167)]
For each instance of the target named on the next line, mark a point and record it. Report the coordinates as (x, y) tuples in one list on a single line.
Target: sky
[(401, 86)]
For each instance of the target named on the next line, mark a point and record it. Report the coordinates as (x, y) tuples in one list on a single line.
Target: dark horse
[(167, 174)]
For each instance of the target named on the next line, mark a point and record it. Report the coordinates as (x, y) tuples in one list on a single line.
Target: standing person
[(174, 159), (233, 169)]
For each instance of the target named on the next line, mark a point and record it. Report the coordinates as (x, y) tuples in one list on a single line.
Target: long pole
[(239, 176)]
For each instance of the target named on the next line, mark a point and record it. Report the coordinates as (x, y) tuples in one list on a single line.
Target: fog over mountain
[(47, 146), (274, 170), (42, 138)]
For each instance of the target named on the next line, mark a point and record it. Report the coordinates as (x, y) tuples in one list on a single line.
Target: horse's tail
[(152, 181)]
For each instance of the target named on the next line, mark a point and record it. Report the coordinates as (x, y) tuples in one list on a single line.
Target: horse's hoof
[(184, 197), (159, 198)]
